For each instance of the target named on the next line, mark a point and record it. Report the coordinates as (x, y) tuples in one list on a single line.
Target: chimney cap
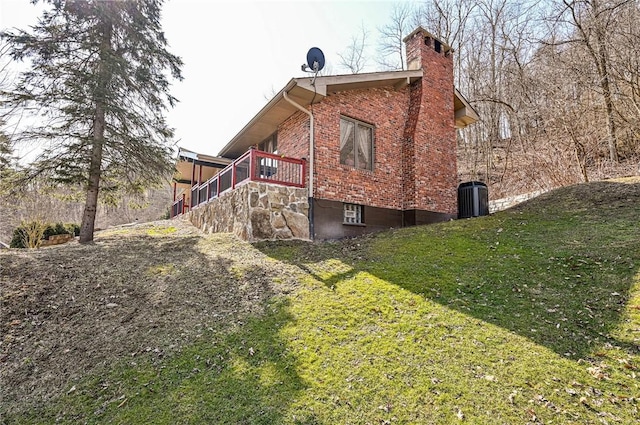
[(445, 47)]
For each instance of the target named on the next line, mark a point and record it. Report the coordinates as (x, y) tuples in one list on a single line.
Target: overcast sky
[(238, 54)]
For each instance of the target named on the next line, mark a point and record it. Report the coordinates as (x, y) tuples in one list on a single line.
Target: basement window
[(353, 214)]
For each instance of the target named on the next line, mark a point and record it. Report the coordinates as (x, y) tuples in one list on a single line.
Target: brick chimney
[(429, 151)]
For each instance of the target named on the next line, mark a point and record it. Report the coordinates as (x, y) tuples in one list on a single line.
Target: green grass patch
[(162, 270), (161, 230)]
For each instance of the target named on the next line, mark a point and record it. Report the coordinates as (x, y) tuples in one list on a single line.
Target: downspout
[(311, 156)]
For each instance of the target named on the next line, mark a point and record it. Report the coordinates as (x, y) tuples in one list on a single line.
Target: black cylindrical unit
[(473, 199)]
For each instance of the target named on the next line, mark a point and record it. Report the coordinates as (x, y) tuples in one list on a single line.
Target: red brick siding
[(386, 110), (293, 138), (414, 140), (408, 150), (434, 141)]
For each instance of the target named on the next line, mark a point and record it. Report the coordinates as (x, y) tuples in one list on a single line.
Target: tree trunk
[(95, 168), (581, 156), (91, 203), (606, 92)]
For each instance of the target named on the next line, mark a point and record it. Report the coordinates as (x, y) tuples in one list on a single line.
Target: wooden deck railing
[(253, 165), (178, 206)]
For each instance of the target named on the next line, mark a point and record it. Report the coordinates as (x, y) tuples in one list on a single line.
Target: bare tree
[(625, 73), (449, 20), (353, 57), (391, 54), (593, 22), (558, 103)]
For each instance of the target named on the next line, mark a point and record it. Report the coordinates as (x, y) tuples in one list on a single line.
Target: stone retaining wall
[(504, 203), (57, 239), (256, 211)]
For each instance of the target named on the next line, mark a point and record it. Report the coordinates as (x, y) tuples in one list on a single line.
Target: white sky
[(237, 54)]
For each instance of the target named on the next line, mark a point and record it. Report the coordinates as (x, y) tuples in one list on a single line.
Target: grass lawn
[(531, 315)]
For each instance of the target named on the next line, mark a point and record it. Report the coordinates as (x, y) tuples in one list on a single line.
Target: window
[(267, 167), (353, 214), (270, 144), (356, 144)]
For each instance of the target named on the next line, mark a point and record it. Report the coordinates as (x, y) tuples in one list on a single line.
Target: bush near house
[(30, 233)]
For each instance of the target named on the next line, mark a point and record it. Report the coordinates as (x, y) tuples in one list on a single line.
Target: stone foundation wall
[(256, 211)]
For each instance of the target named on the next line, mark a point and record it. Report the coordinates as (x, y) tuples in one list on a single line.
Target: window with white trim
[(356, 143), (353, 214)]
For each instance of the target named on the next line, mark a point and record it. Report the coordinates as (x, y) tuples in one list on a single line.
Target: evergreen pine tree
[(98, 84), (5, 152)]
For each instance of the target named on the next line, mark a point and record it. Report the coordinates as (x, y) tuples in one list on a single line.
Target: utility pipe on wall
[(311, 141), (311, 155)]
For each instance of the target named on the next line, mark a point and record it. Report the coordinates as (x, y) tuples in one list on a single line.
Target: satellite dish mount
[(315, 62)]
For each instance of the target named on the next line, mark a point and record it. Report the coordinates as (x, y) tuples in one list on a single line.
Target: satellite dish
[(315, 60)]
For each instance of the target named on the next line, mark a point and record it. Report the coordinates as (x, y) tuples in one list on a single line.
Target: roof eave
[(267, 120), (465, 115), (187, 159), (303, 92)]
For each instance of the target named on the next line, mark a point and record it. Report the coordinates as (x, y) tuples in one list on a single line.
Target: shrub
[(56, 229), (73, 228), (29, 234), (18, 238)]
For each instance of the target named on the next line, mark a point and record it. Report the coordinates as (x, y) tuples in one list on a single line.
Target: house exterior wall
[(293, 138), (386, 110), (414, 176), (328, 220)]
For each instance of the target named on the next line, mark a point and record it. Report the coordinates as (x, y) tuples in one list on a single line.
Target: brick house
[(375, 151)]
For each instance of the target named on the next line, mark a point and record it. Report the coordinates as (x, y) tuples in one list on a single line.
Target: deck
[(253, 165)]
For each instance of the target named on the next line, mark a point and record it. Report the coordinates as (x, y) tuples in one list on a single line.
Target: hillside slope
[(530, 315), (73, 310)]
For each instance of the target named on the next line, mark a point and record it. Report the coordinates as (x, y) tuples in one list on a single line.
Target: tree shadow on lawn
[(222, 317), (569, 302), (238, 371), (243, 377), (558, 275)]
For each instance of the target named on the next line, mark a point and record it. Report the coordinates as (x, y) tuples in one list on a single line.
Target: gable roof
[(301, 91)]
